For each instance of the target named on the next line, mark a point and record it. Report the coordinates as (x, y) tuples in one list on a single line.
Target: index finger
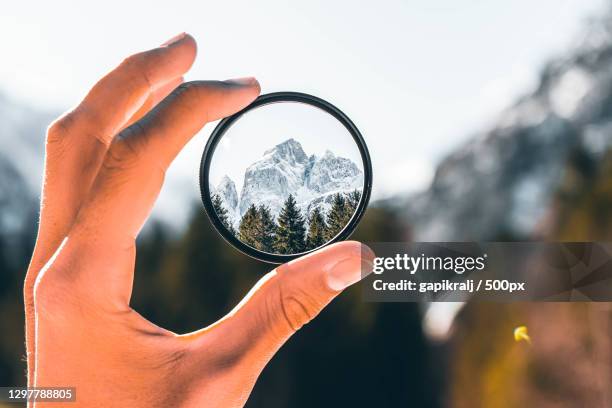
[(119, 94), (78, 141)]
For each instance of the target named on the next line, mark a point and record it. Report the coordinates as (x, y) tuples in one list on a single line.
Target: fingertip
[(229, 96), (354, 248), (183, 49), (367, 254), (255, 89), (354, 262), (191, 43), (191, 47), (183, 39), (342, 264), (246, 83), (257, 86), (177, 38)]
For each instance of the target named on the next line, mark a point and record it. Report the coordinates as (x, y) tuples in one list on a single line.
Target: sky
[(259, 130), (417, 77)]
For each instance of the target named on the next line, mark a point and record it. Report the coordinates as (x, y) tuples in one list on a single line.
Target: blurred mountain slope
[(22, 138), (500, 185), (22, 131)]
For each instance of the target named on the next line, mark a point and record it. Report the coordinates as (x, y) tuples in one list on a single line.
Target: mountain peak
[(286, 169), (290, 142), (287, 149), (224, 181), (226, 189)]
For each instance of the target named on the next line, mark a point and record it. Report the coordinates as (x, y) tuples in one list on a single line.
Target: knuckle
[(43, 293), (192, 95), (59, 291), (186, 86), (59, 129), (132, 62), (125, 150), (78, 123), (181, 91), (120, 156), (297, 306), (136, 68), (190, 91), (48, 294)]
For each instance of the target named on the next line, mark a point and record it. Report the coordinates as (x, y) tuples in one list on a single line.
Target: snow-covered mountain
[(226, 189), (22, 133), (17, 203), (22, 139), (286, 169)]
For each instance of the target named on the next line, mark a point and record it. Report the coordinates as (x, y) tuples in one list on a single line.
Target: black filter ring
[(279, 97)]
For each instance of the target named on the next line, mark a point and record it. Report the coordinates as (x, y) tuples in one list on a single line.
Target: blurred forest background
[(542, 171)]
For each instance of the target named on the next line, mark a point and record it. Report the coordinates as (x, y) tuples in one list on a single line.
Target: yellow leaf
[(520, 333)]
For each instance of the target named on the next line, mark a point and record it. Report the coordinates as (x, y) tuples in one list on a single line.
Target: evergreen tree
[(231, 229), (317, 228), (266, 229), (291, 230), (248, 229), (353, 199), (217, 203), (338, 216)]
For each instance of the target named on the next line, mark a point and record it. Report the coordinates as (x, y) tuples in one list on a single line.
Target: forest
[(292, 231)]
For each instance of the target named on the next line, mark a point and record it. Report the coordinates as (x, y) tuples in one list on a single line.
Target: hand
[(104, 167)]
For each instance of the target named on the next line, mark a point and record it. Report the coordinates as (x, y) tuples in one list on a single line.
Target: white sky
[(265, 127), (415, 76)]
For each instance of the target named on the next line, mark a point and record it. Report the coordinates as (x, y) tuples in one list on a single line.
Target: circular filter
[(285, 176)]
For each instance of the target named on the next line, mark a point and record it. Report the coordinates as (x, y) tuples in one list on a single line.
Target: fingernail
[(351, 269), (174, 40), (247, 81)]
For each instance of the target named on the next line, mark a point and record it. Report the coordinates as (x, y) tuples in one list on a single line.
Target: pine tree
[(266, 229), (248, 229), (221, 212), (291, 230), (337, 217), (353, 199), (317, 228)]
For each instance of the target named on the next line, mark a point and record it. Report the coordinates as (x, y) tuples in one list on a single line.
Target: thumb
[(286, 299)]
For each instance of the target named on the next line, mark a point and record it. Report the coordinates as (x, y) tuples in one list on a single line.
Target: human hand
[(104, 167)]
